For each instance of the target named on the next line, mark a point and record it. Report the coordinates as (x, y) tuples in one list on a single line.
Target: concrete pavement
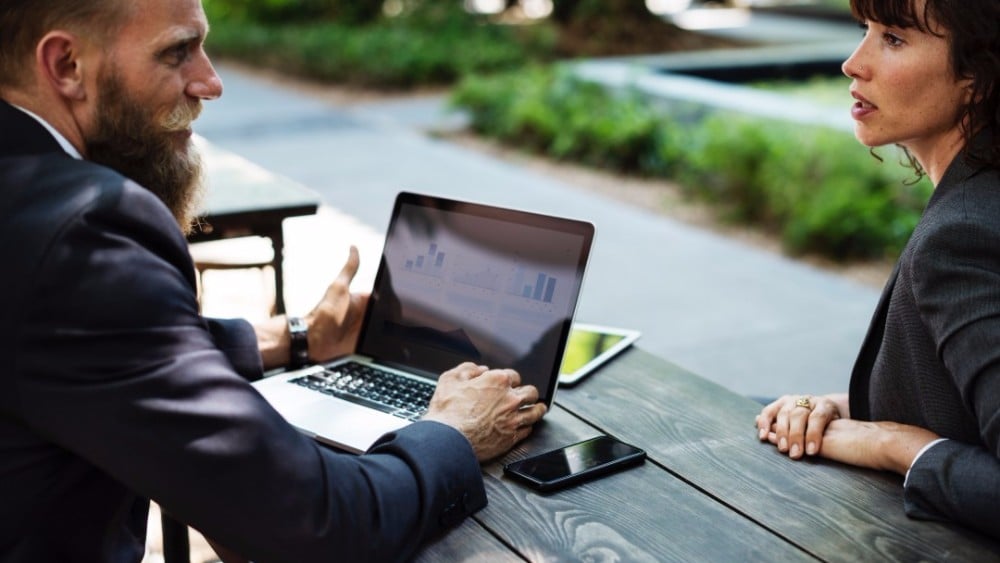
[(758, 323)]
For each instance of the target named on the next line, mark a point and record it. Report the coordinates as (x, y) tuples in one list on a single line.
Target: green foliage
[(566, 118), (816, 187), (417, 48)]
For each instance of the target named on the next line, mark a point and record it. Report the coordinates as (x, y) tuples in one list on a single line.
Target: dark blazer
[(932, 355), (117, 391)]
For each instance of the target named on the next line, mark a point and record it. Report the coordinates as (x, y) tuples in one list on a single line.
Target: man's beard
[(132, 141)]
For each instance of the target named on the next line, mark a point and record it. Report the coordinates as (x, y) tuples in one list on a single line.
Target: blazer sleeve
[(116, 367), (957, 482), (237, 340), (957, 290)]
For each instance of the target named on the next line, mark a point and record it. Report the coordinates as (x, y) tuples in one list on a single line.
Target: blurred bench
[(245, 200)]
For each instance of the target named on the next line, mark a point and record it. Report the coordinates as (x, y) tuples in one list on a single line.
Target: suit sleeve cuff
[(916, 458), (445, 466)]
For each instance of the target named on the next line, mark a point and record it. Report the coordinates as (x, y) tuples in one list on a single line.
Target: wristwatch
[(298, 348)]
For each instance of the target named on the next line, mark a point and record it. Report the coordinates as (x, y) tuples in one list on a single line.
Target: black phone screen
[(575, 463)]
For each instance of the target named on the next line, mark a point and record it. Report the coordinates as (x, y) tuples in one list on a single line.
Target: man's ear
[(60, 64)]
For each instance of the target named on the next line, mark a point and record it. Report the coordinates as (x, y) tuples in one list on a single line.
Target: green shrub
[(553, 112), (722, 164), (433, 44), (816, 187)]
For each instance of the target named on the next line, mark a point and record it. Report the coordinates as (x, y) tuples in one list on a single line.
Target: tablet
[(589, 347)]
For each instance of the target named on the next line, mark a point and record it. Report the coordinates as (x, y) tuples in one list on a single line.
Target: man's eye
[(176, 55)]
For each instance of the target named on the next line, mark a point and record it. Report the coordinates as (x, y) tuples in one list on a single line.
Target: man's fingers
[(530, 415), (464, 371), (350, 268)]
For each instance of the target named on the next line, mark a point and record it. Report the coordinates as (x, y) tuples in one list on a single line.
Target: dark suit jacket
[(932, 355), (115, 390)]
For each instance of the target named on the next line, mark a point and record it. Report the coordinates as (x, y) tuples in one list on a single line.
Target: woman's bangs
[(894, 13)]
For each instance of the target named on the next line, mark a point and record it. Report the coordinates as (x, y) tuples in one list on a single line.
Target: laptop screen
[(468, 282)]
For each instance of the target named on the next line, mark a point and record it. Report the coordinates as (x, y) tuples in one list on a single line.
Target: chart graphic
[(430, 264), (543, 289), (483, 290)]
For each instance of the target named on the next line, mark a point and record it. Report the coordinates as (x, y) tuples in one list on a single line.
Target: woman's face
[(907, 93)]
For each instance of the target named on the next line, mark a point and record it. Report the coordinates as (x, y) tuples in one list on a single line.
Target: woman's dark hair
[(973, 29)]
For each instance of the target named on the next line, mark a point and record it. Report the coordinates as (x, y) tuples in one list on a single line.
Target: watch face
[(297, 326)]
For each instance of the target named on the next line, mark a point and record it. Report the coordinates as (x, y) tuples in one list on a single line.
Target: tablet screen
[(589, 347)]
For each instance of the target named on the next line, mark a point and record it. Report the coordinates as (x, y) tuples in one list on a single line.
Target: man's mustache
[(181, 117)]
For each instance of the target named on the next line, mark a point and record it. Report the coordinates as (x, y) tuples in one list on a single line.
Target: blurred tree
[(272, 11), (569, 11), (354, 11), (611, 27)]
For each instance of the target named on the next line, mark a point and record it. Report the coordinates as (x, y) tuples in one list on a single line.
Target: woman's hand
[(887, 446), (796, 423)]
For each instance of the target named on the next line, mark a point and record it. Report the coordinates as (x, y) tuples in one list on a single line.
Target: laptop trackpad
[(339, 423)]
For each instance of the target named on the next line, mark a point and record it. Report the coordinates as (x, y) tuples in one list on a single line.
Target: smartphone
[(575, 463)]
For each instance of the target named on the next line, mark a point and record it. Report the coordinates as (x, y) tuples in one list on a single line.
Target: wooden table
[(709, 491), (244, 199)]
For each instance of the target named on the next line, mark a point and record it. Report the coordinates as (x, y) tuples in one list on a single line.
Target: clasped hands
[(821, 425)]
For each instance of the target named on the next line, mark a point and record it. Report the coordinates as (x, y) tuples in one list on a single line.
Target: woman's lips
[(862, 108)]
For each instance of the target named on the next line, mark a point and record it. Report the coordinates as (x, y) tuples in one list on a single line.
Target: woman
[(924, 397)]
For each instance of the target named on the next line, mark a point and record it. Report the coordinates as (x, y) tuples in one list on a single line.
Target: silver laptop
[(457, 282)]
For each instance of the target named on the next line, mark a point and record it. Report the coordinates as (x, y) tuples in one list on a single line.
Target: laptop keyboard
[(371, 387)]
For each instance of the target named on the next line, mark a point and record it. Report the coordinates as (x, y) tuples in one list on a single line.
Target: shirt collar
[(63, 142)]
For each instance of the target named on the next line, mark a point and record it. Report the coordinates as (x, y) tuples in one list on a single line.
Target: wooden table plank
[(640, 514), (705, 434), (469, 543)]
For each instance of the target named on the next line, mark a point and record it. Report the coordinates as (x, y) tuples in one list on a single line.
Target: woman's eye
[(891, 40)]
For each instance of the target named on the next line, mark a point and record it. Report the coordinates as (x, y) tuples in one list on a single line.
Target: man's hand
[(490, 407), (335, 322)]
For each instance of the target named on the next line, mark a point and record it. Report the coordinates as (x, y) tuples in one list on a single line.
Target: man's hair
[(973, 31), (23, 23)]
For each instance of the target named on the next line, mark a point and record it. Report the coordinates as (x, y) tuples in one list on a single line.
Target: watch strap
[(298, 348)]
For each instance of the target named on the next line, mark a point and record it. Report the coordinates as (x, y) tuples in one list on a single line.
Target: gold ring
[(803, 401)]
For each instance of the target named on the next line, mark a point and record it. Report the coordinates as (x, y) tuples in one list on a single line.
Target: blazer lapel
[(862, 372)]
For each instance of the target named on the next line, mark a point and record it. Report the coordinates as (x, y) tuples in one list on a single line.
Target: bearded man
[(116, 390)]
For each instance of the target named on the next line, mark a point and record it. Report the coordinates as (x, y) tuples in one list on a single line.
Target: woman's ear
[(60, 64)]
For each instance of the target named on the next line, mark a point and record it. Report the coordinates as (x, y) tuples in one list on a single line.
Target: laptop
[(458, 281)]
